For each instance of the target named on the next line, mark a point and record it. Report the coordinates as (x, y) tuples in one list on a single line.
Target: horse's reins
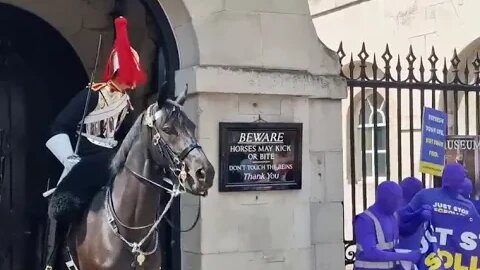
[(177, 168)]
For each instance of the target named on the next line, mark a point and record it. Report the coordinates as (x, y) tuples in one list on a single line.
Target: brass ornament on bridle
[(182, 176), (156, 139)]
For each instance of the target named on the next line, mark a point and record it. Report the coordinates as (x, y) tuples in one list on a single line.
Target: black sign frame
[(225, 128)]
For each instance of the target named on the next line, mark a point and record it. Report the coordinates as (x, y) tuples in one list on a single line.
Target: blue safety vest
[(382, 244)]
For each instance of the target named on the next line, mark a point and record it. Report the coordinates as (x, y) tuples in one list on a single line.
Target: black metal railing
[(385, 107)]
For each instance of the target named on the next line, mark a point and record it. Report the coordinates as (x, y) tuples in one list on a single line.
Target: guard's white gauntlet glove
[(61, 148)]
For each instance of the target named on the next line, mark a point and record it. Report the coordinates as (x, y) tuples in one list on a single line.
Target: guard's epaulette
[(97, 86)]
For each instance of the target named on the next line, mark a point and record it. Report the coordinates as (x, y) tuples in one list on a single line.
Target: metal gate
[(383, 114)]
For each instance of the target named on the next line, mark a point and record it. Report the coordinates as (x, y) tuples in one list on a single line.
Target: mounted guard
[(97, 119)]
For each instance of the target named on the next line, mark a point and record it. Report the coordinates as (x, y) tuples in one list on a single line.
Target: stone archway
[(178, 15)]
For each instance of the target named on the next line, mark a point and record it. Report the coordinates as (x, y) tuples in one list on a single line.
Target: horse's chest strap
[(111, 221)]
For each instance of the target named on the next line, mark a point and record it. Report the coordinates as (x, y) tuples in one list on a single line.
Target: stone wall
[(256, 59), (325, 6), (243, 59), (276, 229)]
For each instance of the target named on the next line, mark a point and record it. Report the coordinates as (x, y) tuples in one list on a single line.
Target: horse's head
[(173, 140)]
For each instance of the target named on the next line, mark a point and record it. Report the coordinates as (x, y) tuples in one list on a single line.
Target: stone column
[(264, 59)]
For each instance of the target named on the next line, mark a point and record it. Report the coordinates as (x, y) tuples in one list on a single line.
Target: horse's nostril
[(200, 174)]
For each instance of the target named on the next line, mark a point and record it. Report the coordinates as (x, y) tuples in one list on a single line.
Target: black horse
[(159, 157)]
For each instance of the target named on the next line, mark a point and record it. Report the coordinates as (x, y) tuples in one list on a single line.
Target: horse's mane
[(120, 157)]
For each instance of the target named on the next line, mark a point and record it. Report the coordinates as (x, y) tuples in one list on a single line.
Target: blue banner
[(432, 151), (431, 255), (452, 242)]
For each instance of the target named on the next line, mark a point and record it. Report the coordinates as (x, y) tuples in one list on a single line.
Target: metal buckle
[(112, 222), (149, 117), (156, 139), (71, 265), (110, 218)]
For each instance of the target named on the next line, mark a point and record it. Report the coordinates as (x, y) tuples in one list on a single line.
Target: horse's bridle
[(176, 166)]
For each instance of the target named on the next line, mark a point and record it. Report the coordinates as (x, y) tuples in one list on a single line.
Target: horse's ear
[(183, 96), (162, 95)]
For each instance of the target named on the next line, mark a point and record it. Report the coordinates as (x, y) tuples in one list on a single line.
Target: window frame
[(370, 127)]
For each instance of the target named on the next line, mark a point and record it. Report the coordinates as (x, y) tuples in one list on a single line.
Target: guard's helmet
[(124, 62)]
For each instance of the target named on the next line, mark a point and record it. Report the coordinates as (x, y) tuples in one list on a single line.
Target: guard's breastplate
[(382, 244), (104, 121)]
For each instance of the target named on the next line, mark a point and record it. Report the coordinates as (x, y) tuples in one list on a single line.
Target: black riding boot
[(60, 235)]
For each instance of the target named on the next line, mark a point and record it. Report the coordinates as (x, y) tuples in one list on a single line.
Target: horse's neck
[(136, 202)]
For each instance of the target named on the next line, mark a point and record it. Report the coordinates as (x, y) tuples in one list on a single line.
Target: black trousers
[(76, 191)]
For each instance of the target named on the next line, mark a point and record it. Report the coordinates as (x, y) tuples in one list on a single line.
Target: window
[(370, 130)]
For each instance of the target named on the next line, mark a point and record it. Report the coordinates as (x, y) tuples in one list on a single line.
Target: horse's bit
[(177, 168)]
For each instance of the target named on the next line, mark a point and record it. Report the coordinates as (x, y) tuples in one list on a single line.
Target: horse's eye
[(169, 129)]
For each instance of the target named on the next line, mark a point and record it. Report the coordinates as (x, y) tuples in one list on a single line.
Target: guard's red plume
[(123, 59)]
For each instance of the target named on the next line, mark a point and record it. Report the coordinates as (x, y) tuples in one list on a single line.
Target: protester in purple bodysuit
[(376, 231), (411, 186), (453, 178), (467, 188), (451, 213)]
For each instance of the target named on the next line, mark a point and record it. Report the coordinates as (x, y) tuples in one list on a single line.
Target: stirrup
[(51, 259)]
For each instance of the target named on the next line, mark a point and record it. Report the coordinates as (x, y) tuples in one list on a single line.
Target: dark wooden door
[(13, 156), (21, 164), (37, 79)]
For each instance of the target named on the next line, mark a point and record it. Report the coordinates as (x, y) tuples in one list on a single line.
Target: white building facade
[(242, 60), (419, 25)]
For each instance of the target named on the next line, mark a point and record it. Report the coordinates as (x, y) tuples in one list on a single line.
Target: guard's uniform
[(384, 243), (103, 126), (107, 121), (106, 124)]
